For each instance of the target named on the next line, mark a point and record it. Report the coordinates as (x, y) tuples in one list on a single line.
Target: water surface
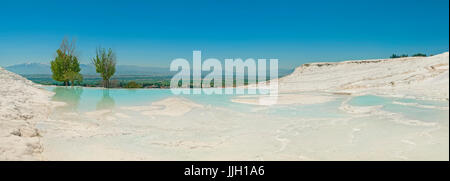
[(111, 124)]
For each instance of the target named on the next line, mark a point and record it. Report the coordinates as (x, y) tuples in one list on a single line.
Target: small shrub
[(419, 55), (394, 56), (399, 56), (132, 85)]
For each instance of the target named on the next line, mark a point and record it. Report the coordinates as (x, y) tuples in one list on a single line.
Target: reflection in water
[(70, 95), (107, 102)]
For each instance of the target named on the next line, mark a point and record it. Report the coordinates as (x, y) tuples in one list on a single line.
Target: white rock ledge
[(22, 105)]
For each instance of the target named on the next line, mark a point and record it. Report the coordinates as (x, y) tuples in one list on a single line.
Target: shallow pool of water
[(154, 124)]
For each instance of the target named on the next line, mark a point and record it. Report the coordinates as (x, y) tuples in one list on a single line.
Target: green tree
[(57, 67), (65, 67), (105, 64), (72, 77)]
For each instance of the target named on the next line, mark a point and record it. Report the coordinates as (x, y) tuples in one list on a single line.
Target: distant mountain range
[(29, 68), (88, 69)]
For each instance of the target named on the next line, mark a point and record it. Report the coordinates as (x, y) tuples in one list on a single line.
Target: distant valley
[(88, 69)]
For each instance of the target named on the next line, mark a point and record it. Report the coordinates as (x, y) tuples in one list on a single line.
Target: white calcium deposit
[(314, 118), (418, 77), (22, 105)]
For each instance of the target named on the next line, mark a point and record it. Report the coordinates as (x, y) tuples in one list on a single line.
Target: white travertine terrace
[(22, 105), (419, 77), (176, 128)]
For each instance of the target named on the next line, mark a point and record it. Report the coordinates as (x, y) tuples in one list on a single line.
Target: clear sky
[(154, 33)]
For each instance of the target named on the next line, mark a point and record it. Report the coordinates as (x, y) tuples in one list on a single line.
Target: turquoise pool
[(154, 124), (91, 99)]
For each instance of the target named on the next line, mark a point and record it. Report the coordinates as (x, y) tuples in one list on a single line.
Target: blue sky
[(154, 33)]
